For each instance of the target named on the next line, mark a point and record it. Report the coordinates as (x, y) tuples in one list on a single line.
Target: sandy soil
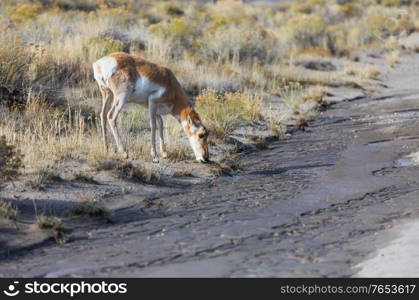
[(320, 203)]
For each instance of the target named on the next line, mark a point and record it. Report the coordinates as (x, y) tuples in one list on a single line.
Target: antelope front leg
[(161, 135), (153, 116)]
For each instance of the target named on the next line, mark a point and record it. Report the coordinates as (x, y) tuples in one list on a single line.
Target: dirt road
[(316, 204)]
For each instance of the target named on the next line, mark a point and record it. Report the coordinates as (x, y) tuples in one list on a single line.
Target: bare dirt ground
[(316, 204)]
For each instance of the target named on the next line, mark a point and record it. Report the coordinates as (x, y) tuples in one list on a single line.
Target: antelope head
[(197, 134)]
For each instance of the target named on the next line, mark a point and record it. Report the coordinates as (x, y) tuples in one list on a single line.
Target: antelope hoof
[(164, 154), (155, 159)]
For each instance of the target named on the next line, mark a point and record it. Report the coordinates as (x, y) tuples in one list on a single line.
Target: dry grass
[(90, 208), (128, 171), (10, 160), (361, 73), (178, 152), (292, 95), (82, 177), (41, 177), (316, 93), (223, 112), (56, 134), (55, 226), (393, 58), (7, 211)]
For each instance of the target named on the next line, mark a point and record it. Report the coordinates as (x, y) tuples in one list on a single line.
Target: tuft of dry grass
[(372, 28), (41, 177), (178, 152), (393, 58), (10, 160), (54, 225), (316, 93), (50, 222), (307, 31), (292, 95), (82, 177), (90, 208), (223, 112), (7, 211), (128, 171), (361, 73)]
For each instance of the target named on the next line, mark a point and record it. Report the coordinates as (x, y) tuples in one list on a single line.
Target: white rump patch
[(107, 66)]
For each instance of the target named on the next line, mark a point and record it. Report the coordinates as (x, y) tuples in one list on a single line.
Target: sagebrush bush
[(371, 29), (24, 12), (14, 63), (351, 9), (231, 12), (230, 42), (223, 112), (177, 33), (307, 31), (98, 47)]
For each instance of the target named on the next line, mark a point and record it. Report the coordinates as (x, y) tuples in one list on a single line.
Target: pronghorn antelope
[(126, 78)]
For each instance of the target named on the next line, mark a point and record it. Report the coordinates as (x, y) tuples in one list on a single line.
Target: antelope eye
[(201, 135)]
